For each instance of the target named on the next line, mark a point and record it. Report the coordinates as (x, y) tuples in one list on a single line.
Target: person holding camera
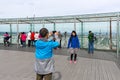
[(44, 64)]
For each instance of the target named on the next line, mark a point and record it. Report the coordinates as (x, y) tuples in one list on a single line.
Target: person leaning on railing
[(6, 39)]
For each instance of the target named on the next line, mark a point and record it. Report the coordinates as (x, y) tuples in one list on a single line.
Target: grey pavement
[(18, 64)]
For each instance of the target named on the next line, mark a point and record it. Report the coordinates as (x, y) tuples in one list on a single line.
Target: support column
[(17, 34), (81, 34), (11, 33), (31, 27), (74, 25), (43, 24), (110, 34), (54, 27), (118, 35)]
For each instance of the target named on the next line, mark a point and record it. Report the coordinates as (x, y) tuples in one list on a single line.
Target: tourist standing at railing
[(53, 35), (32, 38), (23, 37), (60, 37), (29, 39), (65, 39), (56, 37), (36, 36), (6, 39), (19, 38), (73, 46), (90, 42), (44, 65), (65, 34)]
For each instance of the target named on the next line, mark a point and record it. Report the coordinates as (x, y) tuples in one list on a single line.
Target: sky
[(42, 8), (45, 8)]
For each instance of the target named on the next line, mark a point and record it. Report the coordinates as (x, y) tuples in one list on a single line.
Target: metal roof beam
[(79, 20), (49, 21), (25, 22)]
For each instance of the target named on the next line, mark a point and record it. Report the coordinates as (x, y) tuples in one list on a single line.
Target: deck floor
[(19, 65)]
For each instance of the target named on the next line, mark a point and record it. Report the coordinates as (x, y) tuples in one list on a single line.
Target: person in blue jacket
[(44, 64), (73, 45)]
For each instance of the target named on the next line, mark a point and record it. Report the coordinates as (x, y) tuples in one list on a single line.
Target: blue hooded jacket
[(44, 49), (73, 42)]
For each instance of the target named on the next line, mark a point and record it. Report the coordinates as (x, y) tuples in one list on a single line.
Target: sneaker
[(75, 62), (70, 61)]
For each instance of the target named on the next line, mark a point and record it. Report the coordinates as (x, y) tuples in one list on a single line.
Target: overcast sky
[(24, 8)]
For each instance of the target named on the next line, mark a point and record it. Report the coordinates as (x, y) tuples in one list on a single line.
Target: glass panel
[(38, 27), (4, 28), (49, 27), (101, 32), (114, 35), (65, 27), (22, 28)]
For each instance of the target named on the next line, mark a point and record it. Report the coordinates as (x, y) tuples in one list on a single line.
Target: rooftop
[(18, 64)]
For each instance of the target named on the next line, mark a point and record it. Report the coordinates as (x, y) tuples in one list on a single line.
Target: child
[(74, 45), (44, 65)]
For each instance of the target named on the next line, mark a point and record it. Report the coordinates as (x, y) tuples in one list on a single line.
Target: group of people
[(57, 36), (44, 65), (32, 37), (44, 43)]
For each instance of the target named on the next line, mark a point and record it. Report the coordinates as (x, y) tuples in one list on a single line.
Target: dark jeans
[(45, 77), (59, 45), (24, 43), (29, 43), (21, 42), (32, 42), (91, 47), (6, 42)]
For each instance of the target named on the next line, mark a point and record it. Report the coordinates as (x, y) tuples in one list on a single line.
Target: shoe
[(75, 62), (70, 61)]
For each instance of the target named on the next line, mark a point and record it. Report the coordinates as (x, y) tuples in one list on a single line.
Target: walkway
[(19, 65)]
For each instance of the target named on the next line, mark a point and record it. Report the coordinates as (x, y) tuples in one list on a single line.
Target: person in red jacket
[(23, 38), (32, 38)]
